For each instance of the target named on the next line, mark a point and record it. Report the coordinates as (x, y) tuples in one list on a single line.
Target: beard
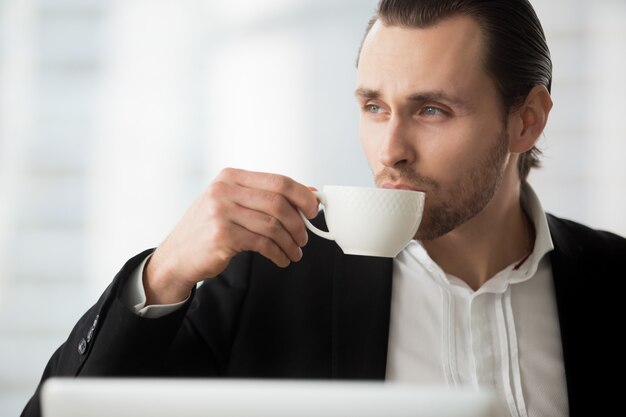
[(446, 209)]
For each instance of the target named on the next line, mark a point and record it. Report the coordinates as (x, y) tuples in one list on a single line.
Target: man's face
[(431, 119)]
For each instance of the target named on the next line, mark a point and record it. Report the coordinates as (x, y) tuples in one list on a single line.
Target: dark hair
[(516, 56)]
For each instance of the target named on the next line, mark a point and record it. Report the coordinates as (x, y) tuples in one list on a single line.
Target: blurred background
[(115, 114)]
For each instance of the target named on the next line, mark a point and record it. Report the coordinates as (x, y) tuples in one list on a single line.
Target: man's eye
[(432, 111), (373, 108)]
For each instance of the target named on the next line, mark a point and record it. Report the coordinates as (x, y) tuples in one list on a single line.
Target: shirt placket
[(482, 352)]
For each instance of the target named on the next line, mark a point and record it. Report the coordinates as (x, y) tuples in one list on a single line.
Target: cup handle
[(321, 233)]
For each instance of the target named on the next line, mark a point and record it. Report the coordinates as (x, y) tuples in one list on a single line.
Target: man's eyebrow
[(438, 95), (435, 95), (366, 93)]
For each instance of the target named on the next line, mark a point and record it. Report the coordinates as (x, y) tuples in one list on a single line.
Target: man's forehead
[(442, 62), (434, 58), (449, 32)]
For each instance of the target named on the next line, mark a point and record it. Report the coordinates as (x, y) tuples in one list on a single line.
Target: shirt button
[(82, 346)]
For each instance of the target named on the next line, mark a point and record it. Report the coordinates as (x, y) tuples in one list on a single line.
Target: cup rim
[(376, 189)]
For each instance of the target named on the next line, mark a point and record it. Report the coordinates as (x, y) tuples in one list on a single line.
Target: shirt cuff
[(134, 296)]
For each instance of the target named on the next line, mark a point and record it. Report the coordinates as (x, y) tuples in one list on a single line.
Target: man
[(453, 97)]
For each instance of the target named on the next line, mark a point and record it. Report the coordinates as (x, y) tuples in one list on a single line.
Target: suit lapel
[(361, 308), (568, 285)]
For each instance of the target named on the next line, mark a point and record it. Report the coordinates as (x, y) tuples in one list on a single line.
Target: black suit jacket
[(324, 317)]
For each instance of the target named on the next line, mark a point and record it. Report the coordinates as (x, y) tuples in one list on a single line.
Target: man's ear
[(530, 120)]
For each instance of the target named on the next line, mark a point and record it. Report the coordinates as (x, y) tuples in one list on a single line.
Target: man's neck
[(498, 236)]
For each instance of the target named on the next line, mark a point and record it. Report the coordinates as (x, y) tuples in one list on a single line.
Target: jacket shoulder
[(591, 242)]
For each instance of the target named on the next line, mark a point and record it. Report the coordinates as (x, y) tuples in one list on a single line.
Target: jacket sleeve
[(110, 340)]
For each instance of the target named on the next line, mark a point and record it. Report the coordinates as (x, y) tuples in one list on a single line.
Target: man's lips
[(399, 186)]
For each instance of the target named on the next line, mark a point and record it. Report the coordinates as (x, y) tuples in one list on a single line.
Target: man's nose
[(396, 147)]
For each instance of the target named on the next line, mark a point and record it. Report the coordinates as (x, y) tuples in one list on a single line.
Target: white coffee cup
[(369, 221)]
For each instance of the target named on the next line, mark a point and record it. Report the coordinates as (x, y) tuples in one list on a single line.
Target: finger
[(297, 194), (267, 226), (274, 206), (245, 240)]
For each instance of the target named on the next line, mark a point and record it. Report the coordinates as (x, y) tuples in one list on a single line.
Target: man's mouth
[(399, 186)]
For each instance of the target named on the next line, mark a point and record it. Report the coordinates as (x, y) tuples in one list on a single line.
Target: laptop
[(100, 397)]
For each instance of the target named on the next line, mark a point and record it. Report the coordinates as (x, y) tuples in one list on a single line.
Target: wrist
[(160, 286)]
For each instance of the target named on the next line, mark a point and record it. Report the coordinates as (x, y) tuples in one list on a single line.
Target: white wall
[(114, 115), (584, 174)]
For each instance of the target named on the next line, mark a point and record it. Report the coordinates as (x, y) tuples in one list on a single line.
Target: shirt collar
[(543, 240)]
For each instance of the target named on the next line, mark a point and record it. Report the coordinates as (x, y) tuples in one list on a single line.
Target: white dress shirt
[(504, 336)]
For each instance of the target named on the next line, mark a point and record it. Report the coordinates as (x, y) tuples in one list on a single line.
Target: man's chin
[(426, 234), (429, 230)]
